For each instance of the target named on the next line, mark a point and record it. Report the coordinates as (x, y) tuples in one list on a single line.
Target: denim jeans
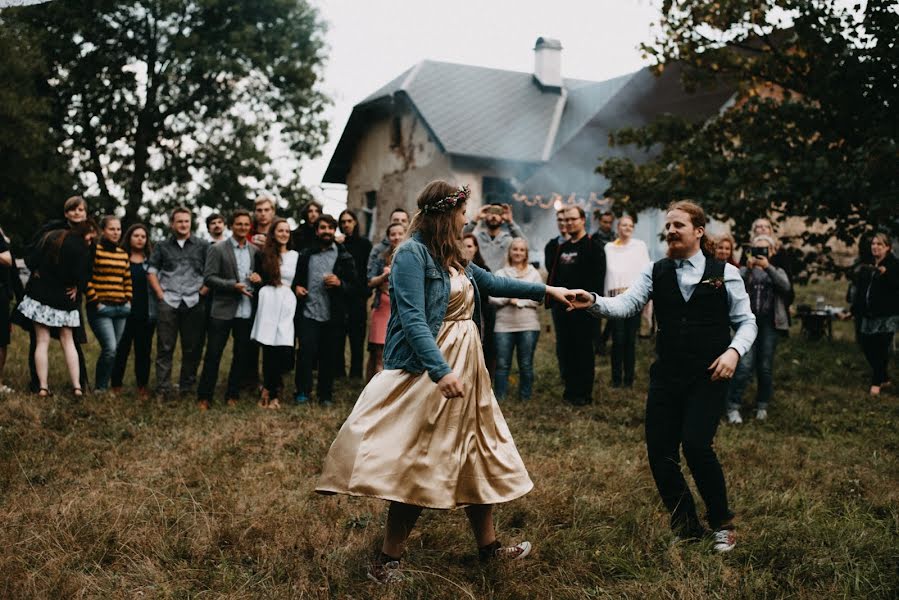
[(108, 322), (506, 342), (759, 360)]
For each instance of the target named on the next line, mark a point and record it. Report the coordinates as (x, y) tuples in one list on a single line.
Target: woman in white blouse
[(517, 325), (626, 257), (273, 327)]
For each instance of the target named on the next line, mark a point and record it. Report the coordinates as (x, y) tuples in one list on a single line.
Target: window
[(500, 190)]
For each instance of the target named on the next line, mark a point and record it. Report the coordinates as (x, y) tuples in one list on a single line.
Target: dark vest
[(691, 335)]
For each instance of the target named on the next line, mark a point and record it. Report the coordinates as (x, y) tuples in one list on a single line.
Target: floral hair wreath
[(447, 203)]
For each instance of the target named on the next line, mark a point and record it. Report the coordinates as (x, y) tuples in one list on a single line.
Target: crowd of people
[(294, 297), (447, 303)]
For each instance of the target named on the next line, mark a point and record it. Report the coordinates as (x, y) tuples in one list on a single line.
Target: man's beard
[(325, 239), (676, 252)]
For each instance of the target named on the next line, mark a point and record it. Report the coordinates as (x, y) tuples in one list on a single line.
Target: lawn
[(116, 497)]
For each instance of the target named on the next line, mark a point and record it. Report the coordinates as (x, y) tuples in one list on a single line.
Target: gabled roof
[(482, 113)]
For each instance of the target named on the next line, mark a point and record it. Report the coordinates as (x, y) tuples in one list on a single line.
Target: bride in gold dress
[(427, 432)]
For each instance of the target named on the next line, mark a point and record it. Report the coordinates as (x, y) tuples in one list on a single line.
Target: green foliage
[(34, 178), (180, 101), (812, 131)]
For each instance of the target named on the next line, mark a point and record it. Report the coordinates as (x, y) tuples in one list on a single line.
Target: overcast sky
[(373, 41)]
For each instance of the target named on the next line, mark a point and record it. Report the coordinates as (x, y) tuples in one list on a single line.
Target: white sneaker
[(733, 417), (5, 389), (724, 540), (761, 414)]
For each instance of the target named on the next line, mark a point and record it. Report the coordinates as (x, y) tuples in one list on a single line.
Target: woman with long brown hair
[(141, 322), (418, 436), (273, 328), (61, 273)]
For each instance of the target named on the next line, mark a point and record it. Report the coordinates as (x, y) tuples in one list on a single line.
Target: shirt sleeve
[(627, 304), (155, 260), (514, 230), (741, 317)]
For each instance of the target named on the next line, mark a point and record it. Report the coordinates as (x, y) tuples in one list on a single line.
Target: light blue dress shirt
[(242, 255), (689, 274)]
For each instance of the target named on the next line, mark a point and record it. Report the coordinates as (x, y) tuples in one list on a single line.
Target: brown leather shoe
[(232, 401), (203, 405)]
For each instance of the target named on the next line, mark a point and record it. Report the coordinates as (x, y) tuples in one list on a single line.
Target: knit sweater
[(110, 282), (521, 316)]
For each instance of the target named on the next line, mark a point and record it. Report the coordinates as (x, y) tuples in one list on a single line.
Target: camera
[(759, 251)]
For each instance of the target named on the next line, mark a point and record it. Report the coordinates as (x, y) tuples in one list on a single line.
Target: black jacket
[(344, 268), (878, 293)]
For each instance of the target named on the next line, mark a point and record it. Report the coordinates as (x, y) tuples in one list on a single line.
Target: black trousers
[(190, 325), (876, 347), (32, 369), (138, 333), (624, 348), (217, 333), (276, 361), (684, 415), (318, 346), (354, 329), (574, 349)]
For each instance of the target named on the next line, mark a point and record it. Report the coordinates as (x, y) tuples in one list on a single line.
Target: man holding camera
[(493, 240)]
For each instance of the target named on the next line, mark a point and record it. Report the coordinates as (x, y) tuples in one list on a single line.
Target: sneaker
[(300, 399), (385, 573), (499, 552), (5, 389), (761, 414), (724, 540), (327, 402), (733, 417)]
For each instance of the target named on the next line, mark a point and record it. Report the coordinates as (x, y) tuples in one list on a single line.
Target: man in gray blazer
[(229, 274)]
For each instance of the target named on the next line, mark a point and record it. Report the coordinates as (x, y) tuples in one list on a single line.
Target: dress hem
[(324, 491)]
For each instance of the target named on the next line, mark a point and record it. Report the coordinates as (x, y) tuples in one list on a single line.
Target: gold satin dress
[(405, 442)]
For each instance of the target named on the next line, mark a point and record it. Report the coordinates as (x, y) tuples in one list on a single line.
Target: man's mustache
[(672, 238)]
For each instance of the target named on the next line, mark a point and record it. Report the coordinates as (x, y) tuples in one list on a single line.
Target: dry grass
[(117, 498)]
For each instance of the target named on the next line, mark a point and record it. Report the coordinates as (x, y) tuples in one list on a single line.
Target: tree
[(166, 102), (811, 131), (34, 178)]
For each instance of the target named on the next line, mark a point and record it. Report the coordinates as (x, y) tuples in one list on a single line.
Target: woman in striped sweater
[(108, 296)]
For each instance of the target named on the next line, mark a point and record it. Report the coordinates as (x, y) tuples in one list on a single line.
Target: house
[(531, 139)]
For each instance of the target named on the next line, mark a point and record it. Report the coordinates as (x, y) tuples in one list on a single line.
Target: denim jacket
[(419, 294)]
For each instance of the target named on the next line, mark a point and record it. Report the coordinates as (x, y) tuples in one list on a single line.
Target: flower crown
[(447, 203)]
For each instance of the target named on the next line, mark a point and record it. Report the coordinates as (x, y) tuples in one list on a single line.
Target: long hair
[(126, 240), (271, 255), (698, 219), (352, 213), (438, 229), (53, 240), (527, 251), (478, 258)]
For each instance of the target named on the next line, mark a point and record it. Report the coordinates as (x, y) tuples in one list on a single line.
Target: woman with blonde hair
[(427, 432), (517, 325), (725, 246)]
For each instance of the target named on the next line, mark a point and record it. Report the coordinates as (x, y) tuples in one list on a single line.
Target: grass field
[(117, 498)]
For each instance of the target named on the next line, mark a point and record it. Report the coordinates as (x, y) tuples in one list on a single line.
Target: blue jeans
[(506, 342), (760, 361), (108, 322)]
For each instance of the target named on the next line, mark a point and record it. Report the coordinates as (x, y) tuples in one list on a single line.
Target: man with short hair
[(324, 280), (264, 214), (550, 253), (176, 277), (229, 275), (215, 226), (493, 240), (697, 301), (398, 215), (579, 264), (605, 233)]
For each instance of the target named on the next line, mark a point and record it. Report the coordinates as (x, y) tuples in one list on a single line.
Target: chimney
[(548, 64)]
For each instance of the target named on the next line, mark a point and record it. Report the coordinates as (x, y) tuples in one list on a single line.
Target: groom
[(697, 299)]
